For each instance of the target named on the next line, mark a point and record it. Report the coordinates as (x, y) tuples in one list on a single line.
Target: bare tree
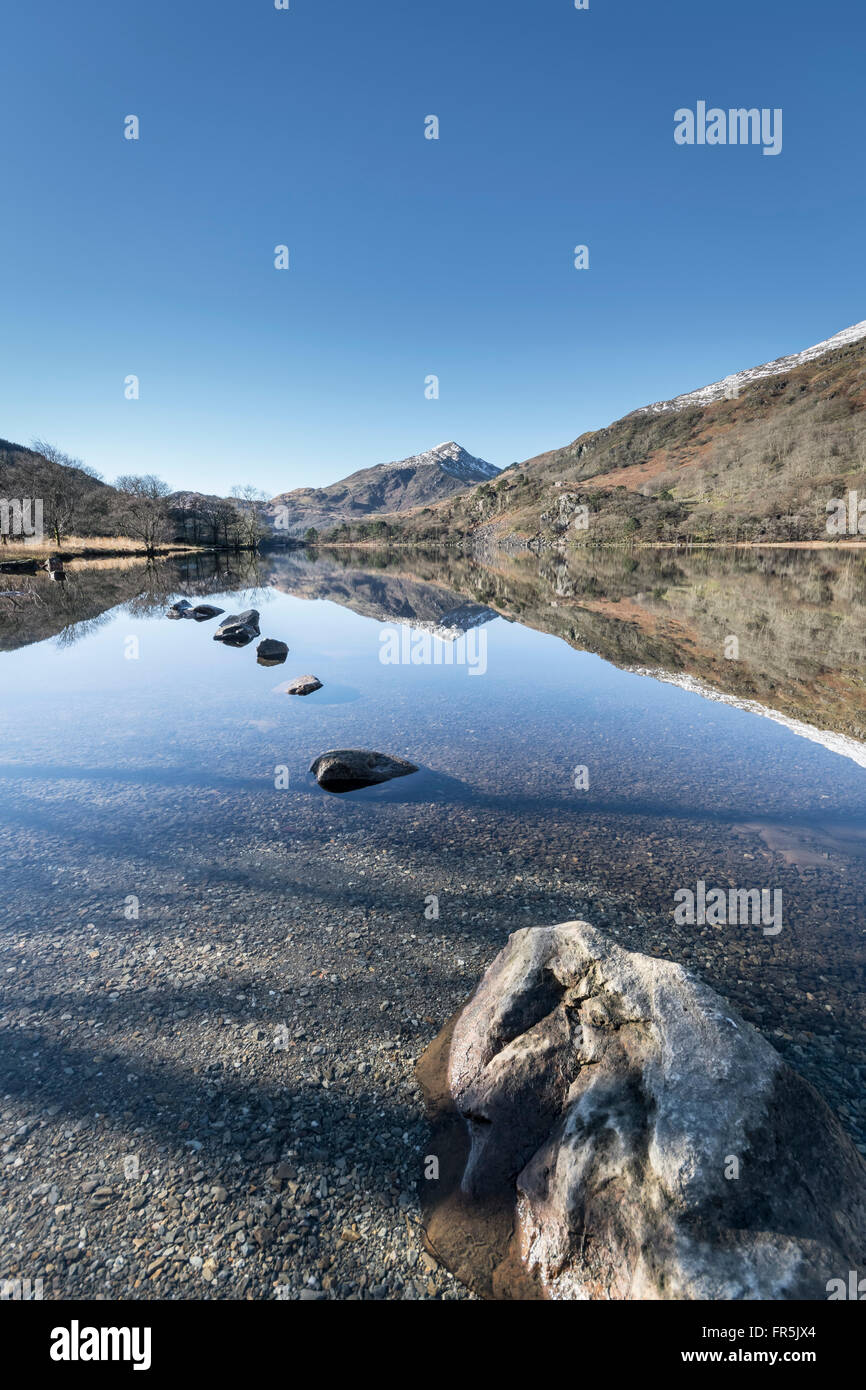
[(61, 488), (188, 510), (142, 508), (249, 501)]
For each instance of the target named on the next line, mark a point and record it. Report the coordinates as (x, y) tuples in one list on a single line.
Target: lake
[(180, 894)]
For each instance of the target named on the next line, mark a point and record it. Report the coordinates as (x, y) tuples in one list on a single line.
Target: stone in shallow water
[(181, 609), (648, 1141), (271, 652), (344, 769), (303, 685), (238, 629), (203, 612)]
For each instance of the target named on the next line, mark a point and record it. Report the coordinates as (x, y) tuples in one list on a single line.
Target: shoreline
[(599, 545)]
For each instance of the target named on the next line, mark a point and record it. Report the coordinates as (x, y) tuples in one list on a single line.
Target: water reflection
[(181, 775), (794, 619)]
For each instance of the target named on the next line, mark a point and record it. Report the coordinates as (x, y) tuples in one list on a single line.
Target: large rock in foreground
[(648, 1142), (345, 769)]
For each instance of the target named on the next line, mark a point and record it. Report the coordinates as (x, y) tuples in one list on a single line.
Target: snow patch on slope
[(842, 744), (732, 385)]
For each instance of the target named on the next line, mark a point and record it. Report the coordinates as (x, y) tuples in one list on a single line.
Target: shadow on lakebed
[(422, 786)]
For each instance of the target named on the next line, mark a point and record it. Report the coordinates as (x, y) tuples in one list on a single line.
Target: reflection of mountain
[(387, 596), (842, 744), (798, 617)]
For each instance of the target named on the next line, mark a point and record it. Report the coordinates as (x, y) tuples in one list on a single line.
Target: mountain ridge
[(730, 385), (763, 455), (385, 488)]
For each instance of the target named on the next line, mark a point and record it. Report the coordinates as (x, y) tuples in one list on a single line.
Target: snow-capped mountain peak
[(453, 459), (731, 386)]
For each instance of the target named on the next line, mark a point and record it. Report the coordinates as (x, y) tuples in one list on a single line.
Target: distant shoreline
[(35, 558), (848, 544)]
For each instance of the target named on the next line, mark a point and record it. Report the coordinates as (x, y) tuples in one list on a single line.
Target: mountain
[(759, 457), (419, 481)]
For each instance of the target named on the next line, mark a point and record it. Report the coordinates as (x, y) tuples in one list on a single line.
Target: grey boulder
[(651, 1143), (344, 769), (238, 629), (203, 612), (181, 609), (303, 685), (270, 652)]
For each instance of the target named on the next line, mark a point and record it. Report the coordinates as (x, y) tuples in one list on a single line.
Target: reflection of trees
[(64, 611), (85, 627), (12, 600), (197, 577), (218, 570)]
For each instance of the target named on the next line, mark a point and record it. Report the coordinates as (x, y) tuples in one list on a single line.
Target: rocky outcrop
[(345, 769), (649, 1143), (238, 629), (303, 685)]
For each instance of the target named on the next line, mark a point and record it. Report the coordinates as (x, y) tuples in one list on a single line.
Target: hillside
[(138, 512), (389, 488), (73, 497), (761, 465)]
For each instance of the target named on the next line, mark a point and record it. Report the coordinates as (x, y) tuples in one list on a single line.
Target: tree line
[(77, 502)]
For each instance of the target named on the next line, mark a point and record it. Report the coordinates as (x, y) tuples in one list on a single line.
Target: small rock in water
[(238, 629), (205, 611), (181, 609), (270, 652), (345, 769), (303, 685)]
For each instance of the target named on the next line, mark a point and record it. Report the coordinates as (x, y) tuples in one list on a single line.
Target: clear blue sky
[(409, 257)]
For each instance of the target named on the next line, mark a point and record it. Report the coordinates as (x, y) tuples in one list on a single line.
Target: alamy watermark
[(854, 1288), (846, 516), (21, 1290), (737, 126), (737, 907), (21, 516), (404, 646)]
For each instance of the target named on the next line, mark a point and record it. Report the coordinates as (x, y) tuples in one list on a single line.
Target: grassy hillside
[(761, 467)]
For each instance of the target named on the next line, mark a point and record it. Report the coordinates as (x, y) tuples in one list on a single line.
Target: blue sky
[(409, 257)]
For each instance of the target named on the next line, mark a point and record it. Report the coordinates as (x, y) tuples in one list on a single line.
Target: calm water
[(142, 757)]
